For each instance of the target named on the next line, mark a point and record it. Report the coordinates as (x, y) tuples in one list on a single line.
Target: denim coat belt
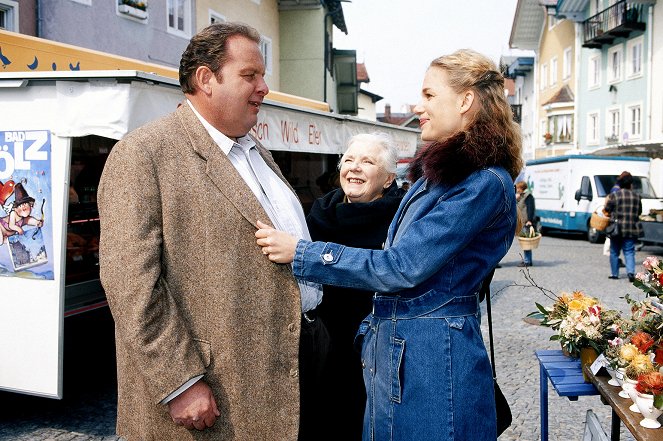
[(389, 307)]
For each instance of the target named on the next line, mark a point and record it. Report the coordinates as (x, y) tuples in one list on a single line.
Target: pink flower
[(650, 263), (617, 341)]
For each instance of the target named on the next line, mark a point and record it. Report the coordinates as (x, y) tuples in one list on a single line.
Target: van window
[(641, 186)]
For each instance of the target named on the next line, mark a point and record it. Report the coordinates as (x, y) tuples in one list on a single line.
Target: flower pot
[(134, 12), (645, 403), (620, 374), (587, 357), (629, 387), (613, 376)]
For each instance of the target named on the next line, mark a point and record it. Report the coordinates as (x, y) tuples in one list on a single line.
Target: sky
[(397, 39)]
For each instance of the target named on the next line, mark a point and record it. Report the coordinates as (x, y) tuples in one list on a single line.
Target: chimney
[(387, 112)]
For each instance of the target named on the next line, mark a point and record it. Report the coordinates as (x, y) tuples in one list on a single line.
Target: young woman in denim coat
[(426, 371)]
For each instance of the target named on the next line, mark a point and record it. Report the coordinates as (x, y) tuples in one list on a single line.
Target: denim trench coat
[(426, 369)]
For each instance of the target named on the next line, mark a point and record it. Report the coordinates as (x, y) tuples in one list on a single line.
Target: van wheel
[(593, 235)]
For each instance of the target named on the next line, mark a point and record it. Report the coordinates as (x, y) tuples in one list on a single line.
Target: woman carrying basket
[(526, 212)]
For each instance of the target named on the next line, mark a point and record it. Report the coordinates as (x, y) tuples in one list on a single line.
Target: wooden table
[(565, 375), (620, 412)]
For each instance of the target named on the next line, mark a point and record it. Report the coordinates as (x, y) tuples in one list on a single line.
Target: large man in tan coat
[(207, 329)]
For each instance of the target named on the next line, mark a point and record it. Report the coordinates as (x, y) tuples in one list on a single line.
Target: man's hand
[(195, 407)]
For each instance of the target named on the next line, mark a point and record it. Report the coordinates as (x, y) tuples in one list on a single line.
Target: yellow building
[(556, 88)]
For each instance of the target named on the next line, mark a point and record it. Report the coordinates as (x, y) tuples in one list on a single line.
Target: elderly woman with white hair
[(358, 215)]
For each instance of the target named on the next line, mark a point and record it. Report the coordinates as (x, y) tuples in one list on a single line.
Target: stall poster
[(26, 248)]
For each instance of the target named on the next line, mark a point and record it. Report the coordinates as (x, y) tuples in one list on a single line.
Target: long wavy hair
[(491, 138)]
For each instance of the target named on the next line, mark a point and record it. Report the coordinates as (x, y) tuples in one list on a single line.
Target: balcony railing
[(517, 110), (619, 20)]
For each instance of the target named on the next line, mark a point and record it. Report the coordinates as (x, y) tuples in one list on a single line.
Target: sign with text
[(25, 200), (285, 129)]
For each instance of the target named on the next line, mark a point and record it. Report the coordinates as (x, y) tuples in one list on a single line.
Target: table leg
[(543, 398), (615, 426)]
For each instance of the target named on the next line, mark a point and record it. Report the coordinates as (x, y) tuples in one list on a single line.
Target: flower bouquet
[(580, 321), (547, 137), (650, 398), (651, 281)]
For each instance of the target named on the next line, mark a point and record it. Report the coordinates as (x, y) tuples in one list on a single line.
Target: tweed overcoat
[(191, 292)]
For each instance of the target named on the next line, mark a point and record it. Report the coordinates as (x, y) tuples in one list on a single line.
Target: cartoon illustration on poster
[(25, 200)]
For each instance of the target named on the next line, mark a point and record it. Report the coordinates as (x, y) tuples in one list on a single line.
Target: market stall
[(605, 352)]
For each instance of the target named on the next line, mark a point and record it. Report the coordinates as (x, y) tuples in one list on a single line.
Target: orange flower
[(658, 357), (642, 341), (650, 383)]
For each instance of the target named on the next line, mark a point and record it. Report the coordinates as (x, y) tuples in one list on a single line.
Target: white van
[(567, 189)]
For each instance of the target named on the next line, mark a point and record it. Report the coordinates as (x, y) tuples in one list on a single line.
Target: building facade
[(594, 68)]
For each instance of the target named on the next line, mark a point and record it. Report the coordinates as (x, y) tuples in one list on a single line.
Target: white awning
[(113, 103)]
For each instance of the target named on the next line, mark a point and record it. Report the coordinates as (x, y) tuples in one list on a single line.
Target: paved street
[(562, 263)]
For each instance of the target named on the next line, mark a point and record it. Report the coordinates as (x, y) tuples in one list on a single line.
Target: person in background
[(426, 369), (624, 206), (212, 339), (527, 213), (358, 215), (606, 244)]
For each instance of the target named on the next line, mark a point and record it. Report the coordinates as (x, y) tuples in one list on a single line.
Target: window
[(613, 129), (594, 71), (615, 64), (593, 128), (634, 57), (215, 17), (266, 49), (568, 62), (553, 71), (9, 15), (179, 17), (634, 115), (544, 76), (561, 128), (544, 131)]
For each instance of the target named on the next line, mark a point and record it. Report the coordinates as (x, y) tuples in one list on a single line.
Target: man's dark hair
[(625, 180), (208, 48)]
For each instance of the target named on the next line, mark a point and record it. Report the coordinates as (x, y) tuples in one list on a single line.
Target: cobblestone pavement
[(87, 410), (562, 263)]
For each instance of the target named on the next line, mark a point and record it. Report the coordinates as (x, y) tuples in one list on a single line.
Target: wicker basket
[(598, 222), (529, 243)]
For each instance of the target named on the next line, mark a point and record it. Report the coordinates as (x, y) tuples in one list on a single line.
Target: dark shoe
[(631, 277), (613, 277), (498, 266)]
